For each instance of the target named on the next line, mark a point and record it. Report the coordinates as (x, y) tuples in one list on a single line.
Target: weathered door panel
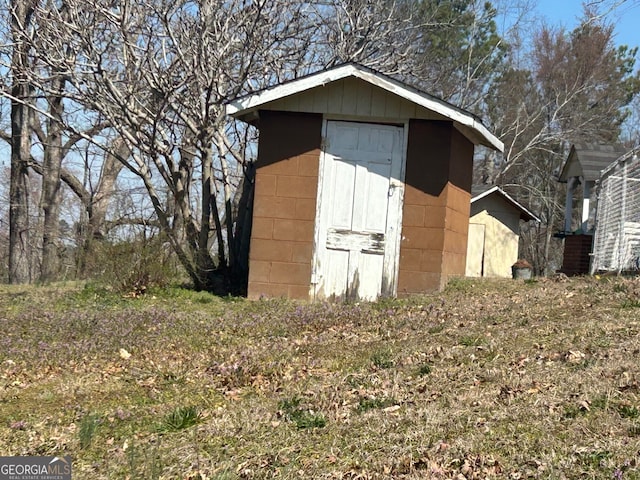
[(359, 211)]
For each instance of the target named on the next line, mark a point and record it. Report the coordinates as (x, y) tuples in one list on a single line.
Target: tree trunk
[(51, 184), (243, 204), (204, 263), (19, 238), (111, 168), (19, 241), (97, 203)]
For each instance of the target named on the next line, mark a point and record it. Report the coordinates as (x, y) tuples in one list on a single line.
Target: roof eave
[(525, 214), (562, 176), (465, 122)]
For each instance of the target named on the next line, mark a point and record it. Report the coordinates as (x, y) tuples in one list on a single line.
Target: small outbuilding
[(580, 172), (362, 186), (616, 240), (494, 232)]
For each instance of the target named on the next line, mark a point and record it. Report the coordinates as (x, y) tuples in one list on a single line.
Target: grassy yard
[(489, 379)]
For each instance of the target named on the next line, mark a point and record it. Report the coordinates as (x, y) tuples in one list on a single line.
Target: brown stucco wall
[(436, 206), (284, 207)]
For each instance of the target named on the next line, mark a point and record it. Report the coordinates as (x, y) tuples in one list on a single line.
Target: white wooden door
[(359, 211)]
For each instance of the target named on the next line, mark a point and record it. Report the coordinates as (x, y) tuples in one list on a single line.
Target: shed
[(362, 186), (582, 168), (494, 232)]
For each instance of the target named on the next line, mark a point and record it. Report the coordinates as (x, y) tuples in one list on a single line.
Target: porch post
[(586, 194), (568, 206)]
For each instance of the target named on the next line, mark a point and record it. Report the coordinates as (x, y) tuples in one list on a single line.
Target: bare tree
[(51, 183), (379, 34), (160, 73), (94, 198), (38, 100), (21, 14), (450, 49)]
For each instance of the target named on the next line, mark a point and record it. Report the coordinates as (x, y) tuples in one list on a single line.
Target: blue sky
[(626, 17)]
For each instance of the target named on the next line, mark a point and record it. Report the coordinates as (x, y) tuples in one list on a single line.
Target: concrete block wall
[(422, 241), (454, 256), (436, 207), (458, 199), (284, 208), (435, 210)]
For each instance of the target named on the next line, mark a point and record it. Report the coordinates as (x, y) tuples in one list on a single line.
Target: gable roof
[(588, 160), (479, 192), (467, 123)]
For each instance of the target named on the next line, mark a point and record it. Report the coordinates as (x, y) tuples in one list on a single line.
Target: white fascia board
[(252, 102), (485, 193), (289, 88), (433, 104)]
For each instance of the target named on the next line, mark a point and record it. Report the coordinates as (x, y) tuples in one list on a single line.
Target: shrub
[(132, 268)]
